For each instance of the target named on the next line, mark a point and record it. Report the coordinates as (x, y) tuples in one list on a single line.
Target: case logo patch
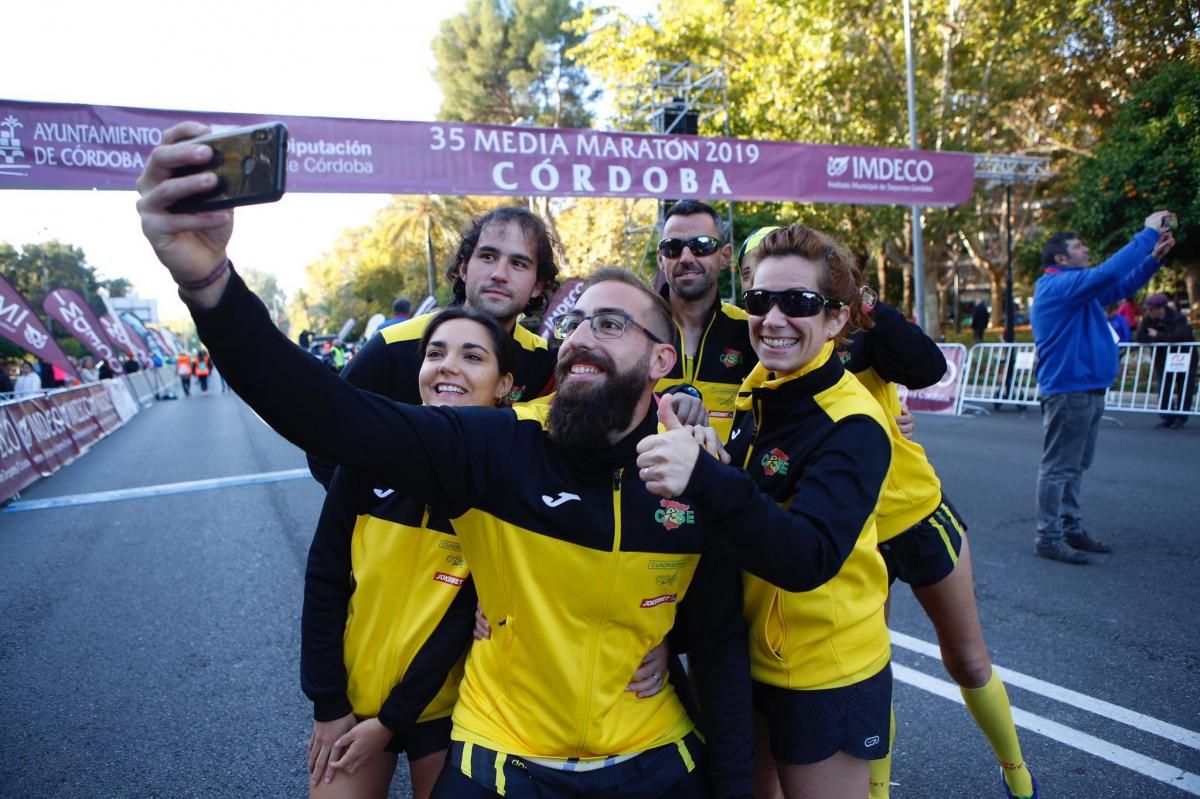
[(731, 358), (655, 601), (775, 462), (673, 514), (448, 579)]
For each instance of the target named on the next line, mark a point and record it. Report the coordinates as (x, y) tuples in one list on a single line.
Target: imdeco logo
[(835, 167)]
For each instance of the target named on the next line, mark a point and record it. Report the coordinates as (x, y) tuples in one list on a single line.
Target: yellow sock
[(881, 770), (991, 711)]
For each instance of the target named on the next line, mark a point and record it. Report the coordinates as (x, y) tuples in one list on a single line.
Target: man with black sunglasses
[(711, 336)]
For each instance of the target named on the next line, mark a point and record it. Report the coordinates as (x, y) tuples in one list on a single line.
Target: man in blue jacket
[(1076, 363)]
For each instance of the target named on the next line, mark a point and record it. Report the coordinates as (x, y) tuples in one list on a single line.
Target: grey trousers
[(1070, 423)]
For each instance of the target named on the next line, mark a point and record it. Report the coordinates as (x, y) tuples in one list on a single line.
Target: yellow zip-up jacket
[(723, 359), (383, 585), (816, 452), (897, 351)]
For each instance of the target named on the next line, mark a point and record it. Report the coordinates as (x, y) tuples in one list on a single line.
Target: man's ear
[(1061, 259), (662, 361)]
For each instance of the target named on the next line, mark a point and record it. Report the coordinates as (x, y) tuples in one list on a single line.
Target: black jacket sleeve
[(437, 656), (327, 589), (445, 455), (900, 352), (805, 544), (386, 369), (711, 625)]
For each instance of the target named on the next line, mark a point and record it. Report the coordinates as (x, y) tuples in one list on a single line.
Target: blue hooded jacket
[(1075, 347)]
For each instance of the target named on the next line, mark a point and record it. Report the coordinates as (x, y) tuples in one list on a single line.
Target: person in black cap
[(401, 312)]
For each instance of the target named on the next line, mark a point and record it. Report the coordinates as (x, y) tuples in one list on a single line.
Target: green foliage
[(1150, 160), (370, 266), (37, 269), (502, 61)]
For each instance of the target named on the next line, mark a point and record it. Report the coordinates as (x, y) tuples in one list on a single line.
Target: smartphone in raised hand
[(250, 164)]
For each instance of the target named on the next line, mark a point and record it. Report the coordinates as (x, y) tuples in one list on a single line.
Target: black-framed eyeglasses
[(699, 245), (793, 302), (607, 324)]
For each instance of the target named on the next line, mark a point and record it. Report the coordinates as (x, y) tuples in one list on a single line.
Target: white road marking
[(1134, 761), (1139, 721), (163, 489)]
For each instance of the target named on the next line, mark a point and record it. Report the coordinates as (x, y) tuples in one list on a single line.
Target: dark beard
[(583, 416)]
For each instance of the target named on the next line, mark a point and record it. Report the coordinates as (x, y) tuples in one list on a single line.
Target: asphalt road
[(149, 647)]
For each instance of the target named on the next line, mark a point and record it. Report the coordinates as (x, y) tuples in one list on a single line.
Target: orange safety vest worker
[(201, 366), (184, 369)]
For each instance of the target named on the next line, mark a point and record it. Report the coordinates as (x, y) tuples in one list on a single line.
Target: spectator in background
[(131, 364), (1119, 325), (1076, 363), (105, 372), (6, 382), (28, 384), (980, 317), (1130, 311), (1162, 324), (87, 370), (401, 312)]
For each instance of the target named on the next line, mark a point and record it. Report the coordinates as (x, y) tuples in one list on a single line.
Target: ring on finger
[(656, 677)]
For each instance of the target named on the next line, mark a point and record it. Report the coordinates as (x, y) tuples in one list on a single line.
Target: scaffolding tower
[(674, 97)]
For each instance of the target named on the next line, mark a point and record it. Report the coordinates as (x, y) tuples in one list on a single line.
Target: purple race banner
[(20, 325), (73, 313), (67, 146)]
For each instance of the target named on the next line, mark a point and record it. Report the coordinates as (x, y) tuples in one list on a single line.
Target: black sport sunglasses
[(793, 302), (699, 245)]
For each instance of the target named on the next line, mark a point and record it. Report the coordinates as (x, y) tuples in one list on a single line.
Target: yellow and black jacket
[(897, 351), (723, 359), (816, 452), (579, 568), (389, 364), (386, 584)]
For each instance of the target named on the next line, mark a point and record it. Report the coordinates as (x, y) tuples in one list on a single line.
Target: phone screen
[(250, 164)]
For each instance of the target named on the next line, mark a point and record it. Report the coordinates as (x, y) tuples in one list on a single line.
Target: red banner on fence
[(941, 397), (64, 146), (40, 435)]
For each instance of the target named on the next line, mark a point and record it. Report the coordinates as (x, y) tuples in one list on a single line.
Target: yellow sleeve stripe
[(528, 340)]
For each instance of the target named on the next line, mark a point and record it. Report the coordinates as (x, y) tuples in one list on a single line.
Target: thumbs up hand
[(666, 460)]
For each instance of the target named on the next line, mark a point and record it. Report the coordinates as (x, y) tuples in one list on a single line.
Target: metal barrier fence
[(1151, 378)]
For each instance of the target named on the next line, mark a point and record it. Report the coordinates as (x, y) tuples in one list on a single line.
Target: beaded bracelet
[(205, 282)]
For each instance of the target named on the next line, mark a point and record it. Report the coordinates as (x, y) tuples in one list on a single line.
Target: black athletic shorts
[(928, 551), (424, 738), (810, 726), (673, 771)]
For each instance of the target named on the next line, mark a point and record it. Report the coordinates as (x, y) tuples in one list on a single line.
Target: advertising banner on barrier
[(20, 325), (123, 402), (38, 436), (16, 469), (941, 397), (44, 433), (66, 146), (73, 313)]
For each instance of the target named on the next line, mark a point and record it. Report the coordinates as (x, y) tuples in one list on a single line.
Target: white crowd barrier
[(1151, 378)]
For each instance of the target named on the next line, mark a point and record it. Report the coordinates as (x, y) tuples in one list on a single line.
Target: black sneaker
[(1084, 542), (1061, 552)]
